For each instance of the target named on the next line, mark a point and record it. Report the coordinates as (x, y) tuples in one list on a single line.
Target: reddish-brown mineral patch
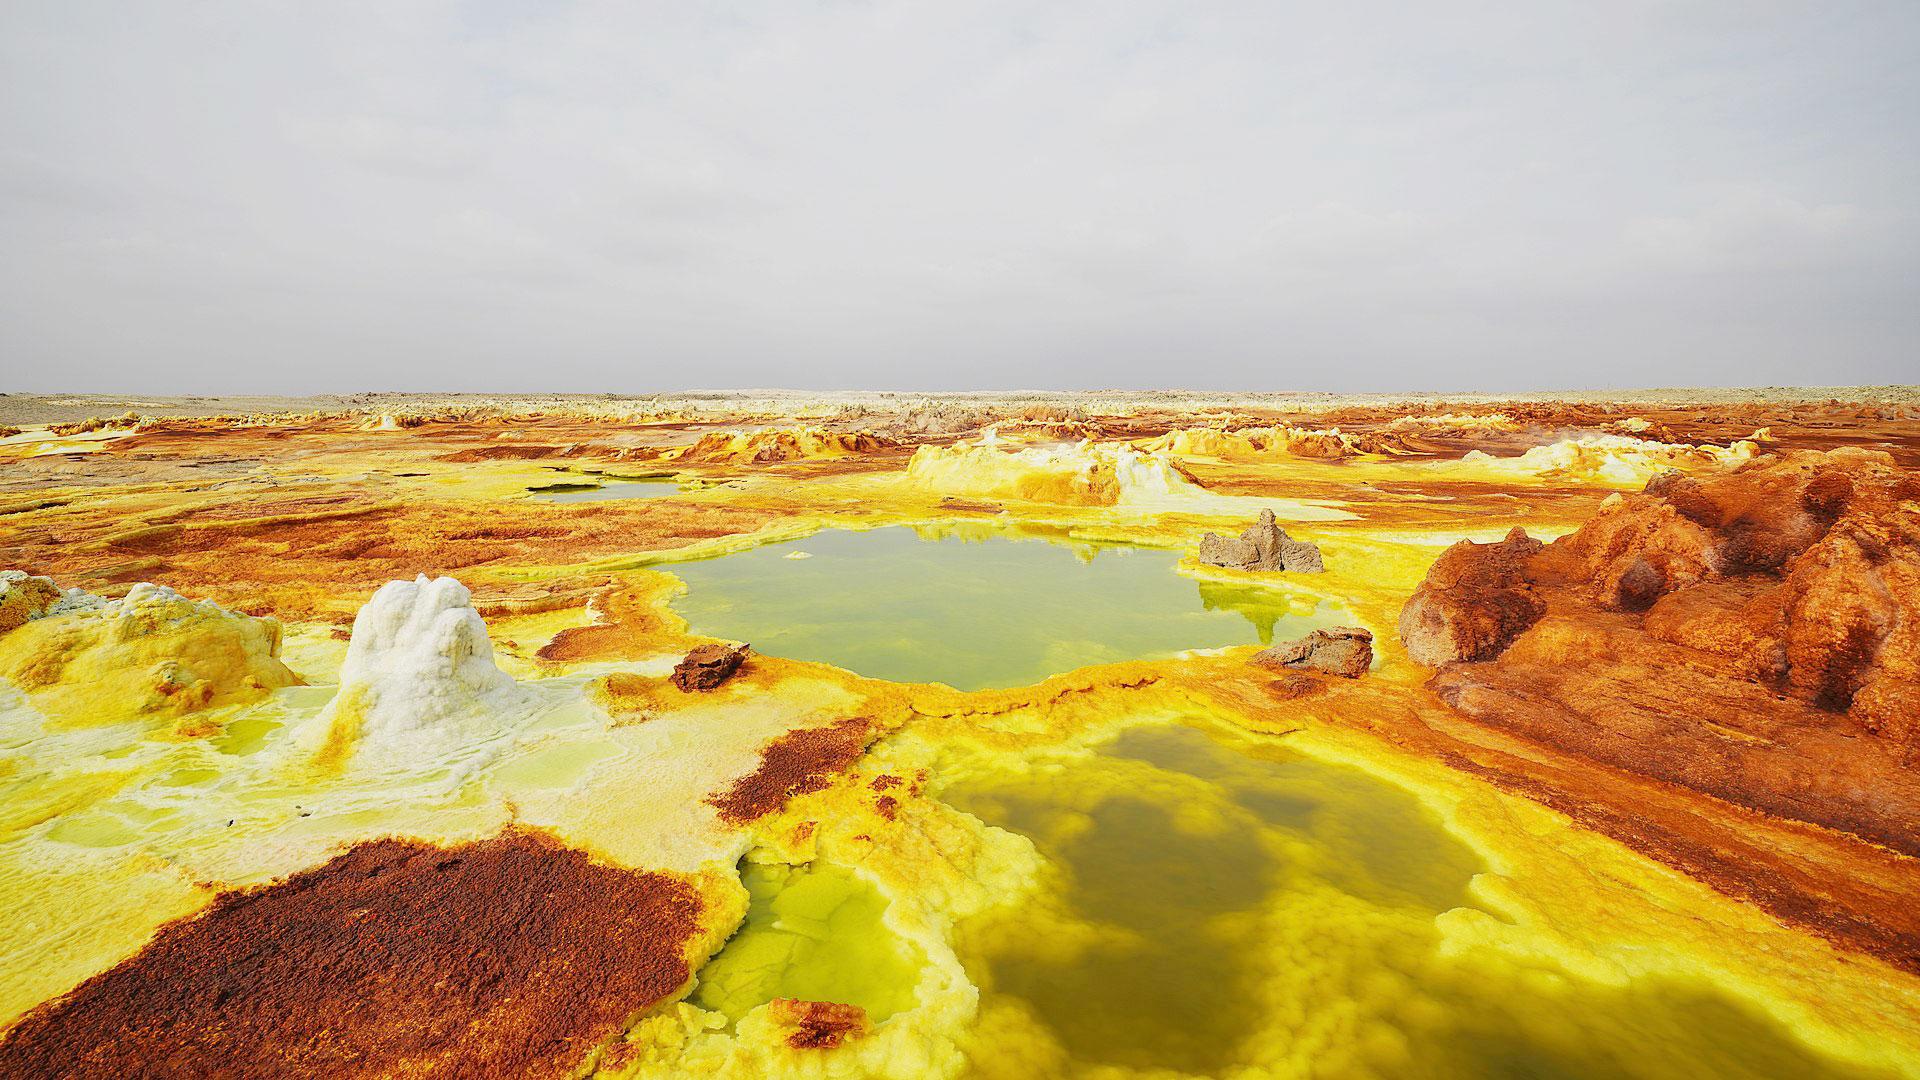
[(794, 764), (819, 1025), (513, 956)]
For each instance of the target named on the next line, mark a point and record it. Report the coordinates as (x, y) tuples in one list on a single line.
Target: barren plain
[(1106, 735)]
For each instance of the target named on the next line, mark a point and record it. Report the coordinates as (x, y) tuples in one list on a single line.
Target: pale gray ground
[(31, 409)]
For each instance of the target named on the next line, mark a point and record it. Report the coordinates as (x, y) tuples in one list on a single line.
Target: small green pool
[(815, 933), (594, 491), (1005, 610)]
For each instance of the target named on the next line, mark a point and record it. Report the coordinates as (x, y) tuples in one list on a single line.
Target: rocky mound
[(1264, 546), (1284, 440), (24, 597), (1475, 600), (153, 653), (707, 666), (788, 444), (1085, 474), (1616, 460), (1754, 636), (1346, 651)]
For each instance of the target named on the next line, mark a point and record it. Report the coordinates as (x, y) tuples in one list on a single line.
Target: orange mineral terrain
[(1004, 736)]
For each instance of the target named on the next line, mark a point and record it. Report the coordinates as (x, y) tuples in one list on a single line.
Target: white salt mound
[(420, 665)]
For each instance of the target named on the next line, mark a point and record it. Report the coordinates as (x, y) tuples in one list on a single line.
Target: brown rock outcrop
[(1346, 651), (1754, 637), (1475, 601), (1265, 546), (707, 666)]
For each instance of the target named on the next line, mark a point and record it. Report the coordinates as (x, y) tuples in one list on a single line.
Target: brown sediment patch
[(514, 452), (627, 626), (819, 1025), (792, 765), (971, 506), (276, 565), (1296, 686), (945, 703), (513, 956)]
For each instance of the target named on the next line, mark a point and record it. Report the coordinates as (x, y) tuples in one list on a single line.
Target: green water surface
[(587, 491), (1004, 610), (1242, 893), (813, 933)]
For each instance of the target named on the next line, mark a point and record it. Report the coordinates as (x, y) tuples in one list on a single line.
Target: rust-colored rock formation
[(794, 764), (1475, 600), (1262, 546), (511, 957), (1346, 651), (1753, 637), (707, 666)]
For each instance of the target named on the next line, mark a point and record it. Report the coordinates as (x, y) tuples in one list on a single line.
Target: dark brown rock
[(708, 666), (1475, 601), (1346, 651)]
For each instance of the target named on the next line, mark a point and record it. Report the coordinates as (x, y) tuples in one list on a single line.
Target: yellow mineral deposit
[(383, 752)]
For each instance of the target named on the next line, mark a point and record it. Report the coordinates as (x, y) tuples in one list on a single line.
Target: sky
[(267, 197)]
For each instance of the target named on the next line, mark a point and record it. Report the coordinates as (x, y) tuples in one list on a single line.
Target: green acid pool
[(814, 933), (1218, 905), (1002, 610)]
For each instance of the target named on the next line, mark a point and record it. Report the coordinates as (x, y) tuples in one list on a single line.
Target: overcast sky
[(623, 197)]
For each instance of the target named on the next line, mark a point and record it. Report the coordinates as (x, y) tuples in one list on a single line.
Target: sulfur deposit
[(1253, 443), (1621, 460), (153, 653), (1130, 736), (1083, 474), (24, 596)]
